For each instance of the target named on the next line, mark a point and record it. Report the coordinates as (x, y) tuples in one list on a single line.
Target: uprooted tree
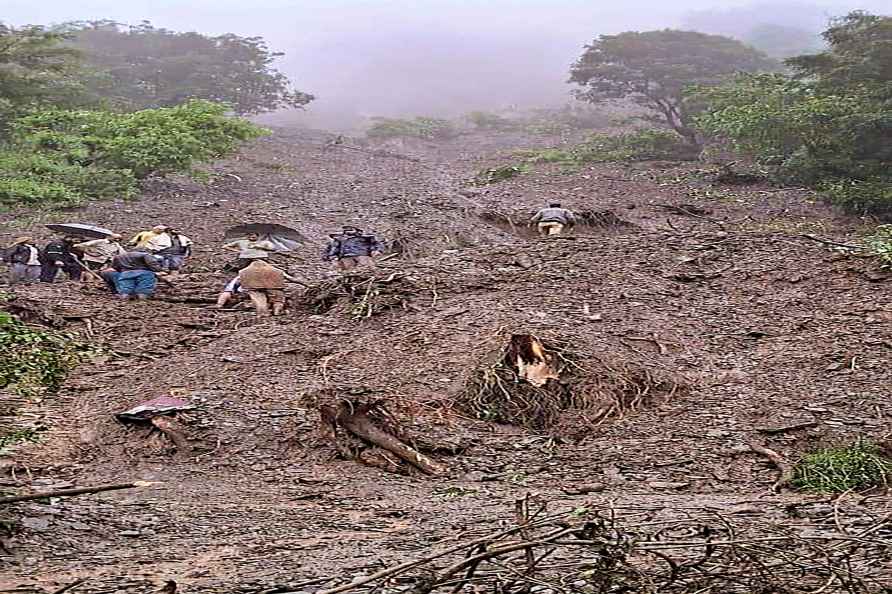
[(653, 68), (530, 382)]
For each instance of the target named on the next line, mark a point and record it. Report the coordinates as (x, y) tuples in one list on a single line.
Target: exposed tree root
[(531, 382), (347, 421)]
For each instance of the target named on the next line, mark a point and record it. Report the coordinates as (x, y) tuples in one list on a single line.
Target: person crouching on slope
[(265, 285), (98, 253), (553, 219), (133, 274)]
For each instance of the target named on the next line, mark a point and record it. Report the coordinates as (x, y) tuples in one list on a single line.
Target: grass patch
[(34, 361), (643, 145), (880, 244), (419, 127), (30, 434), (499, 174), (859, 466)]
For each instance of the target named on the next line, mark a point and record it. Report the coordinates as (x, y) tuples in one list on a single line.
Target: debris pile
[(532, 382)]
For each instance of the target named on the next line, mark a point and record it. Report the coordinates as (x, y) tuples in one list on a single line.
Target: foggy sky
[(399, 57)]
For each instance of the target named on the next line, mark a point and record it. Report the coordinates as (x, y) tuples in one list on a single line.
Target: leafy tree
[(829, 125), (62, 157), (148, 67), (653, 69), (36, 68), (859, 56)]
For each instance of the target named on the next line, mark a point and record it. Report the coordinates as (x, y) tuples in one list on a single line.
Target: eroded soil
[(765, 328)]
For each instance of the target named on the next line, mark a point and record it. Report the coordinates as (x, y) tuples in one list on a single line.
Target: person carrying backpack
[(23, 258), (59, 255), (352, 249)]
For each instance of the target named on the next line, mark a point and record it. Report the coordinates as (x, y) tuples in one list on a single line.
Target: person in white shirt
[(249, 249)]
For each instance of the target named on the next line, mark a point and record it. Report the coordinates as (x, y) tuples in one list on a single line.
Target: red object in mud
[(163, 405)]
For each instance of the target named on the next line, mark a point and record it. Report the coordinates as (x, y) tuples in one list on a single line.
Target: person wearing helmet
[(553, 219), (352, 248)]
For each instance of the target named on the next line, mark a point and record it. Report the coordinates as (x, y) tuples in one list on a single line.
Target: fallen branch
[(73, 584), (785, 468), (795, 427), (834, 243), (73, 492), (385, 573)]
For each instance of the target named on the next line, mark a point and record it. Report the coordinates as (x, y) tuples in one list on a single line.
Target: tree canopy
[(859, 55), (36, 68), (146, 67), (829, 125), (653, 68)]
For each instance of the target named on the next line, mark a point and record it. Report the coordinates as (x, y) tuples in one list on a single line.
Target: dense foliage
[(34, 361), (65, 156), (653, 68), (145, 67), (828, 125)]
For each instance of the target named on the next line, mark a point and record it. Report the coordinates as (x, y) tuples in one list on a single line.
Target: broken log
[(362, 426)]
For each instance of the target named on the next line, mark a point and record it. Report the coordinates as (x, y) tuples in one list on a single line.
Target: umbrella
[(80, 230), (284, 238), (163, 405)]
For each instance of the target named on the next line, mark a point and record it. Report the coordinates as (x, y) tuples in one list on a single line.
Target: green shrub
[(643, 145), (147, 142), (63, 157), (420, 127), (37, 193), (498, 174), (861, 197), (47, 179), (880, 244), (34, 361), (828, 125), (834, 470)]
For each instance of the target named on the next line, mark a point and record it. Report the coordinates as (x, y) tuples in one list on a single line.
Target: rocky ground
[(721, 292)]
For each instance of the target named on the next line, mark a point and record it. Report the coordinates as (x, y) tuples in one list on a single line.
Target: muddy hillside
[(635, 370)]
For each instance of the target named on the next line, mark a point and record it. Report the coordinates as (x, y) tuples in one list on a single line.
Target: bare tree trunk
[(362, 426)]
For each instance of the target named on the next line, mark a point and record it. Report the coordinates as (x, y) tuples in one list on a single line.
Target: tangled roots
[(362, 294), (532, 383)]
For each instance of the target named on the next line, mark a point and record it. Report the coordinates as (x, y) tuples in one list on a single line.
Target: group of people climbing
[(129, 271), (132, 271)]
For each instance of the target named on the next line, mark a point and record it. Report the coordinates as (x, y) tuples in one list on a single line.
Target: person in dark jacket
[(23, 258), (134, 274), (552, 220), (175, 256), (59, 255), (352, 249)]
